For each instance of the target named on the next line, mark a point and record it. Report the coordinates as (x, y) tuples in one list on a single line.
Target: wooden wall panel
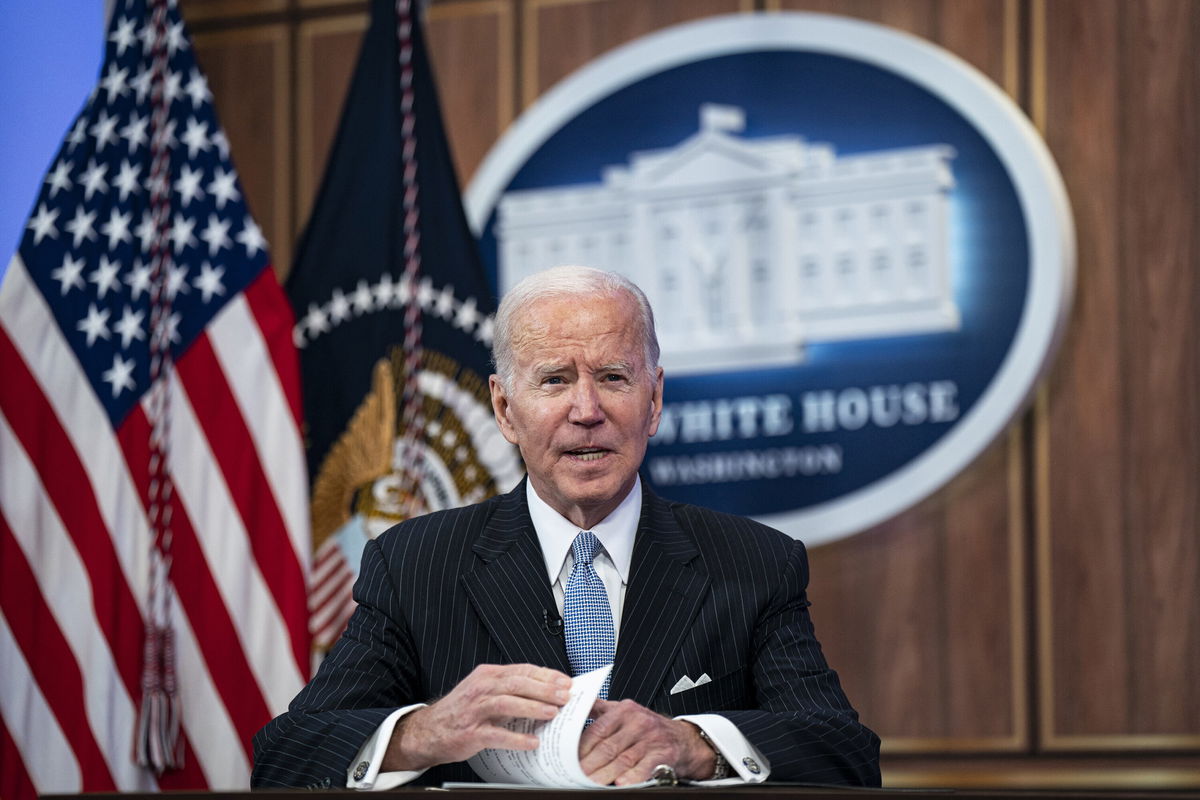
[(204, 10), (471, 46), (559, 36), (327, 51), (248, 71), (1120, 554), (1160, 198), (1084, 465), (958, 558)]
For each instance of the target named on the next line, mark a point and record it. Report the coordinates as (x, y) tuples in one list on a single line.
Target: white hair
[(568, 281)]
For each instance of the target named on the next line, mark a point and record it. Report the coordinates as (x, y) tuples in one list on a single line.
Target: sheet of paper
[(556, 760)]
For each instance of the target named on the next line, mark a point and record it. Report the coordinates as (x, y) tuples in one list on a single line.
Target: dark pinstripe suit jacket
[(708, 593)]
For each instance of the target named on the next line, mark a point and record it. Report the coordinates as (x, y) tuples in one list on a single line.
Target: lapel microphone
[(552, 622)]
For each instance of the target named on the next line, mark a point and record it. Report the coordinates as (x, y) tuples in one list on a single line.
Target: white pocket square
[(685, 683)]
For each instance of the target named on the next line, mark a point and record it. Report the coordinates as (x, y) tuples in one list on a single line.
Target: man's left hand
[(627, 741)]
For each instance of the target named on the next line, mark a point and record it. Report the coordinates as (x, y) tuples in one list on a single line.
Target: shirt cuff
[(747, 763), (364, 770)]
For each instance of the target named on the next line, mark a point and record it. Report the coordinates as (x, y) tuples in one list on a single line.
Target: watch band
[(720, 764)]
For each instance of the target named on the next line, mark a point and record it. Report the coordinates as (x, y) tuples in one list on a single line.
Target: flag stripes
[(53, 760), (224, 430)]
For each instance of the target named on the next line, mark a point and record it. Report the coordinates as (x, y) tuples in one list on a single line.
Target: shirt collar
[(616, 531)]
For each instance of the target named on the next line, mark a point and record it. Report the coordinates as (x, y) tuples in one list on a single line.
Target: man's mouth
[(588, 453)]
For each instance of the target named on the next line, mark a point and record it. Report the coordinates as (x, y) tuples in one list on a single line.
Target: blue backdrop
[(50, 54)]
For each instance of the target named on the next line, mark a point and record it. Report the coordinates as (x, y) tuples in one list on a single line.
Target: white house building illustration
[(747, 248)]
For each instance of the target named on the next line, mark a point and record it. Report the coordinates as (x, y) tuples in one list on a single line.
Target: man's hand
[(627, 741), (471, 717)]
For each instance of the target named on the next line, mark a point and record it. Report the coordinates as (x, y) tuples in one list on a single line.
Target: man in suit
[(460, 629)]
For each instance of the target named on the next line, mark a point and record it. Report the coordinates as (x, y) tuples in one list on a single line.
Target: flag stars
[(218, 138), (117, 227), (467, 316), (222, 187), (362, 300), (123, 37), (188, 184), (120, 375), (181, 232), (145, 230), (105, 130), (216, 235), (127, 181), (383, 292), (147, 35), (69, 275), (115, 83), (171, 327), (444, 307), (175, 39), (141, 83), (316, 321), (390, 293), (138, 279), (42, 223), (160, 337), (105, 276), (95, 325), (173, 89), (129, 327), (134, 132), (209, 281), (339, 307), (177, 282), (156, 184), (165, 136), (197, 89), (59, 178), (195, 136), (251, 237), (93, 178), (78, 133), (485, 332), (80, 226)]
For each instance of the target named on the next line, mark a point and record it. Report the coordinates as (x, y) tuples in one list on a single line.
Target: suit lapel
[(665, 591), (509, 590)]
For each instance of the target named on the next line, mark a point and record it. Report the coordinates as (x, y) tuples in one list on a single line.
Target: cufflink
[(751, 765), (360, 771)]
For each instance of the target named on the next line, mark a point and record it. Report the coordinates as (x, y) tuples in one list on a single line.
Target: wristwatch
[(720, 765)]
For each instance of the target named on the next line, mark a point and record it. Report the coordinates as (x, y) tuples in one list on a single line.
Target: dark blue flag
[(395, 318)]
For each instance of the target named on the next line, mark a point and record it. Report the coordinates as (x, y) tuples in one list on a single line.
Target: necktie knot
[(584, 547)]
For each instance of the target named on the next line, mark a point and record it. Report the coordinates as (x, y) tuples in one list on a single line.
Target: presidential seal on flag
[(394, 323)]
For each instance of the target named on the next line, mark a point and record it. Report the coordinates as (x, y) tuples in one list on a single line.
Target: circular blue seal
[(859, 252)]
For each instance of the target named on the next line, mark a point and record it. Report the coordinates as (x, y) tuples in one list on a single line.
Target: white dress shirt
[(555, 533)]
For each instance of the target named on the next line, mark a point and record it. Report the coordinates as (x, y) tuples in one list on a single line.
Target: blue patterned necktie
[(587, 617)]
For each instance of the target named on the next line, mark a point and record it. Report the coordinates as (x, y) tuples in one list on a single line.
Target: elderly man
[(716, 671)]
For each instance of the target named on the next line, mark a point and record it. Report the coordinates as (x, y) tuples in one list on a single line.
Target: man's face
[(582, 405)]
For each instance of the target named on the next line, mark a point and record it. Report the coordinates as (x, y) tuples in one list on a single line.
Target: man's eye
[(613, 376), (553, 379)]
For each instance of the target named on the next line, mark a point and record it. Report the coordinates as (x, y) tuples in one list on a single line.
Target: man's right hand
[(471, 717)]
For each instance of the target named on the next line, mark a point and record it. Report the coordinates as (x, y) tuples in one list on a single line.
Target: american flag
[(154, 539)]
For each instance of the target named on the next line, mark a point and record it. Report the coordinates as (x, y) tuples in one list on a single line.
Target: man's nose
[(585, 405)]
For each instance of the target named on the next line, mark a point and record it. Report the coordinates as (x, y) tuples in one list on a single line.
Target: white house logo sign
[(859, 252)]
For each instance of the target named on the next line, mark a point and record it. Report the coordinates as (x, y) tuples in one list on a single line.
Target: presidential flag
[(154, 541), (394, 322)]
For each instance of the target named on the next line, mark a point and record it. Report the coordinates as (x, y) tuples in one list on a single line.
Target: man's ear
[(656, 402), (500, 408)]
